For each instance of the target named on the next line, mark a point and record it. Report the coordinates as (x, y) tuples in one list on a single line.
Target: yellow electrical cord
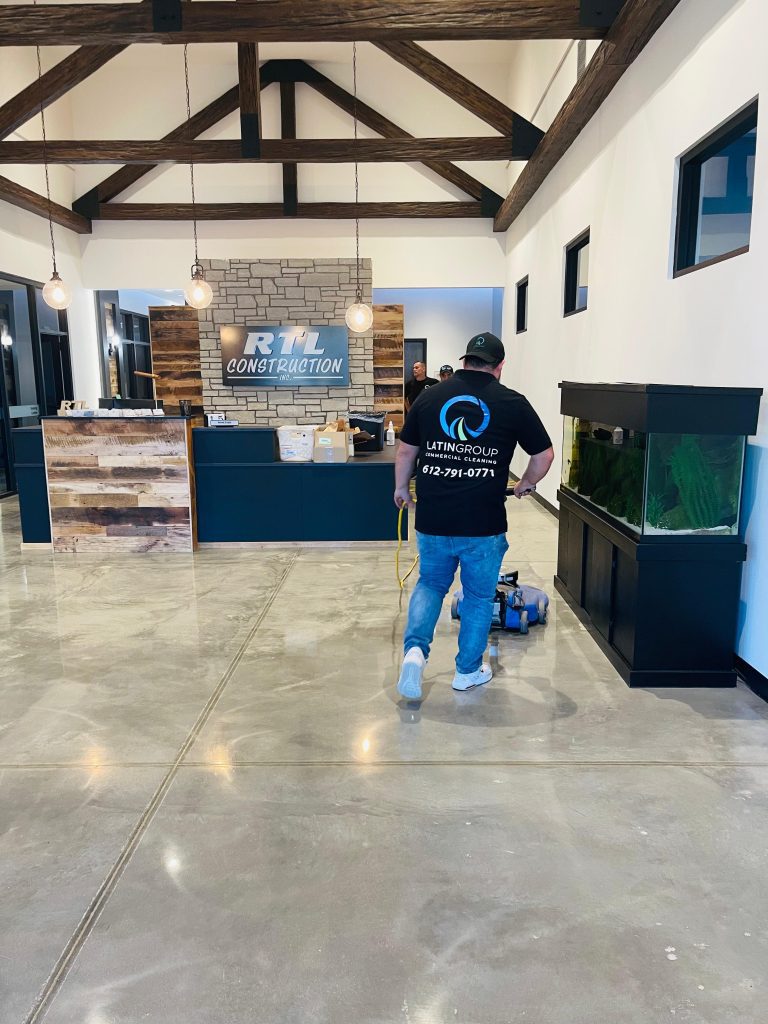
[(401, 580)]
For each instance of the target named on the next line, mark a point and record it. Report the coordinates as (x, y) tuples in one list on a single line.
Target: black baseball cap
[(487, 347), (446, 368)]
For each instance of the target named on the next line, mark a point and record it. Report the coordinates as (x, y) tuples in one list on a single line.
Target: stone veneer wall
[(310, 291)]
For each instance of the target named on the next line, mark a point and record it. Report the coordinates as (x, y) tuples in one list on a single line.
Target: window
[(522, 306), (714, 216), (576, 275)]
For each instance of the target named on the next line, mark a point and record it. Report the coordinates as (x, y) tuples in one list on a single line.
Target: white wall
[(25, 252), (707, 61), (446, 317), (424, 254), (24, 241)]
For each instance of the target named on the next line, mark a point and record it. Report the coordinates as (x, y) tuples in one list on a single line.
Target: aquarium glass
[(605, 464), (694, 484)]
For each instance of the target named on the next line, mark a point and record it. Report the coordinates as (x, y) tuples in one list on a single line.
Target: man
[(419, 382), (446, 371), (464, 433)]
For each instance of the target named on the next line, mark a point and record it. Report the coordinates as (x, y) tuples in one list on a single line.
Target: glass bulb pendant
[(198, 292), (359, 317), (56, 294)]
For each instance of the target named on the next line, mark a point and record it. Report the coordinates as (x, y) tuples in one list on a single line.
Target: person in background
[(417, 384), (445, 372), (464, 434)]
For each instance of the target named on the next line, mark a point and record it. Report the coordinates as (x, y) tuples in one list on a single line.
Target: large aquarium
[(654, 483)]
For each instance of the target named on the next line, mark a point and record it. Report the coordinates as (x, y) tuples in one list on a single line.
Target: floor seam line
[(511, 763), (78, 938)]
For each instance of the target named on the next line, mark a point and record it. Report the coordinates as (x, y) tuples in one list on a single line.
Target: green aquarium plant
[(695, 484), (655, 509)]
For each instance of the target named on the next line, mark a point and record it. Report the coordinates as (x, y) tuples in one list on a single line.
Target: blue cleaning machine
[(516, 606)]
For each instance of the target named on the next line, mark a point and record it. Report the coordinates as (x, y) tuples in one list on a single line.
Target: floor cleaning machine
[(516, 606)]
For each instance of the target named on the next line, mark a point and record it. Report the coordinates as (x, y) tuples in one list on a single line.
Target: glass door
[(8, 384), (57, 372), (415, 351), (7, 483)]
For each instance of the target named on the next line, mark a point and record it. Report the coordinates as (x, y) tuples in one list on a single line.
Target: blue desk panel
[(251, 500), (29, 467)]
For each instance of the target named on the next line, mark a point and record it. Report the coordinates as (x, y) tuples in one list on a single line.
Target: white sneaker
[(466, 680), (409, 683)]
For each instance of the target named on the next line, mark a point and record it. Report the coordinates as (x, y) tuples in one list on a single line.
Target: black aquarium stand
[(662, 606)]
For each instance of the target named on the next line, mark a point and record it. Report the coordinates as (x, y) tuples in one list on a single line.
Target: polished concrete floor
[(214, 810)]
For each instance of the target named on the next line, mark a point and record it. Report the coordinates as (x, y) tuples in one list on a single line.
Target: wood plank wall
[(388, 344), (175, 337), (120, 484)]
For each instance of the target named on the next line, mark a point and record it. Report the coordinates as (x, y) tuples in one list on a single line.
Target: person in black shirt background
[(417, 384), (463, 432)]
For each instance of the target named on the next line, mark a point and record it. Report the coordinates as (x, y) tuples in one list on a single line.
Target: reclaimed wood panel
[(388, 344), (120, 484), (175, 336)]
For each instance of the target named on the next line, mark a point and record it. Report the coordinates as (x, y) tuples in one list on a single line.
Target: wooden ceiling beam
[(599, 13), (207, 21), (463, 90), (635, 25), (204, 119), (277, 151), (274, 211), (389, 130), (26, 199), (288, 131), (119, 181), (54, 84), (250, 98)]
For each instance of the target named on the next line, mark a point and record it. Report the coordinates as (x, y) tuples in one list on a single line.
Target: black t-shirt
[(466, 429), (414, 387)]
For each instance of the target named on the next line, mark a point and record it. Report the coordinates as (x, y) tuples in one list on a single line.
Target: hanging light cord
[(189, 134), (45, 159), (358, 289)]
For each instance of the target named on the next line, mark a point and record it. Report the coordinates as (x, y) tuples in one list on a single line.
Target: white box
[(296, 443)]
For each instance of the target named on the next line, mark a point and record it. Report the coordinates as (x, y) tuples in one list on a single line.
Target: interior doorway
[(56, 372), (6, 468), (414, 351), (35, 366)]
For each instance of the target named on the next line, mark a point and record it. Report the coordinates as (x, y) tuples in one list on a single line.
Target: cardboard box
[(331, 446)]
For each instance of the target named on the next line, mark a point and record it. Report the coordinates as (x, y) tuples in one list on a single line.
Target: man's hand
[(405, 464), (536, 470), (522, 488), (403, 498)]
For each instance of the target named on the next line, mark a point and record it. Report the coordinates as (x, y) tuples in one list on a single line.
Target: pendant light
[(56, 293), (359, 315), (197, 292)]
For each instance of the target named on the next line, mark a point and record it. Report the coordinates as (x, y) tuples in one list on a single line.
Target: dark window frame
[(135, 353), (571, 282), (689, 187), (521, 286)]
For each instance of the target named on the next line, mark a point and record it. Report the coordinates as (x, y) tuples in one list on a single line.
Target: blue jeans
[(439, 557)]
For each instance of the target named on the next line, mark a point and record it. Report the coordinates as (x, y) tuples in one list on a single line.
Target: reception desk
[(119, 484), (145, 484), (245, 496)]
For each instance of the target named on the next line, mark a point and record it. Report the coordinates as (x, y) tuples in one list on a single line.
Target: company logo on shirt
[(472, 423)]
